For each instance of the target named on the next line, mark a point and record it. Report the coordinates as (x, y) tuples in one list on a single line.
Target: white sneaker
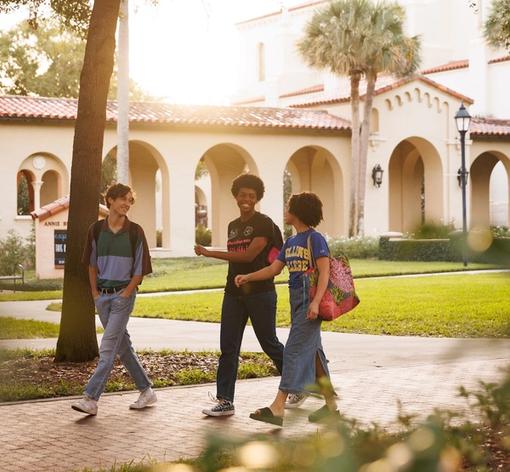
[(147, 397), (295, 400), (85, 405)]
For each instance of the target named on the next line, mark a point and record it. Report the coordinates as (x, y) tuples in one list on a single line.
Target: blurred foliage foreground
[(477, 440)]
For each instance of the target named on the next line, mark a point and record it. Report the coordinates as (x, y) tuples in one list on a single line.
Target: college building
[(289, 120)]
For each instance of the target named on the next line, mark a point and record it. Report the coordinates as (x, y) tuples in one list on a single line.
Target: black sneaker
[(222, 408)]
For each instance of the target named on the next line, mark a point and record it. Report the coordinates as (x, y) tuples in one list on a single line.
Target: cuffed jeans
[(114, 311), (260, 308)]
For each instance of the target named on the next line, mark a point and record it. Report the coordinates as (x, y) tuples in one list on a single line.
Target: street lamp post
[(463, 120)]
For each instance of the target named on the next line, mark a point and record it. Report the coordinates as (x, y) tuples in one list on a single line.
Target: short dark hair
[(115, 191), (307, 207), (248, 181)]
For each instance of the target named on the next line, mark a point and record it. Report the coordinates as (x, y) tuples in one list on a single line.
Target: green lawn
[(197, 272), (447, 305), (11, 328), (27, 296)]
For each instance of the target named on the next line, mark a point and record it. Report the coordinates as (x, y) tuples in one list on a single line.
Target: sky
[(185, 51)]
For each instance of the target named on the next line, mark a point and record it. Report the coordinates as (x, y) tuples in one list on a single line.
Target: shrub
[(432, 230), (448, 441), (193, 375), (450, 249), (15, 251), (500, 231), (359, 248), (416, 250), (203, 235)]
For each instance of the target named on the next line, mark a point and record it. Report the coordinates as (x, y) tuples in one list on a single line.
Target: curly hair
[(248, 181), (117, 190), (307, 207)]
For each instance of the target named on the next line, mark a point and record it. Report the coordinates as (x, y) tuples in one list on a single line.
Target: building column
[(272, 203), (182, 211), (36, 185)]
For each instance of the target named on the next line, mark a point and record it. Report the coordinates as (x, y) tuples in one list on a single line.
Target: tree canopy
[(497, 25), (73, 14), (45, 61), (44, 57)]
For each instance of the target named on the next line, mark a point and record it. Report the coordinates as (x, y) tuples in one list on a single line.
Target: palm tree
[(497, 25), (359, 39), (388, 50)]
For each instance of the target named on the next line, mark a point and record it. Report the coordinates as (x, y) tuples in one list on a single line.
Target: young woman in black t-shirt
[(250, 239)]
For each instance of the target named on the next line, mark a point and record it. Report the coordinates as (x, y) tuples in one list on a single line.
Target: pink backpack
[(340, 296)]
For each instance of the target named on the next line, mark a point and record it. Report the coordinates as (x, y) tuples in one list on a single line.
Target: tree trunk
[(355, 142), (365, 135), (77, 338)]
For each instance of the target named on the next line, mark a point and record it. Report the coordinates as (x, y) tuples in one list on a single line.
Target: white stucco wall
[(176, 152), (449, 30)]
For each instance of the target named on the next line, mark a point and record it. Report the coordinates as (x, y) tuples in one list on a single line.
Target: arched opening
[(151, 197), (108, 172), (50, 187), (44, 178), (314, 169), (25, 192), (490, 194), (223, 163), (200, 207), (416, 185)]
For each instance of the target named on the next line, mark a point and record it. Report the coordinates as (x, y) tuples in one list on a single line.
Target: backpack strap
[(133, 238), (311, 259), (96, 229)]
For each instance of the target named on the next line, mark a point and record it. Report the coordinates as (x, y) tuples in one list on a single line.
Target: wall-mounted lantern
[(377, 175)]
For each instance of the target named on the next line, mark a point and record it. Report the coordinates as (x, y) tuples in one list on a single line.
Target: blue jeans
[(114, 312), (235, 311)]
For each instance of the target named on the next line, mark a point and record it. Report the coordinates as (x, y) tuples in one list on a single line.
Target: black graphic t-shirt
[(240, 236)]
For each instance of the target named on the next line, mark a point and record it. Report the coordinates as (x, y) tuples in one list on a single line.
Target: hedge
[(442, 250)]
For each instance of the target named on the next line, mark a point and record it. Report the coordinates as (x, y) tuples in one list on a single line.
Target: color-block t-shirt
[(113, 255), (295, 254), (240, 235)]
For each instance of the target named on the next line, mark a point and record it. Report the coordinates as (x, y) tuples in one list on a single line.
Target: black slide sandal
[(266, 415)]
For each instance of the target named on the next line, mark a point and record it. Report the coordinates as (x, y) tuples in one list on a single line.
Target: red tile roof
[(452, 65), (461, 64), (36, 108), (56, 207), (499, 59), (481, 126), (384, 84), (305, 91)]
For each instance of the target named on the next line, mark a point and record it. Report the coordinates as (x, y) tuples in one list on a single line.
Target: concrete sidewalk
[(346, 351)]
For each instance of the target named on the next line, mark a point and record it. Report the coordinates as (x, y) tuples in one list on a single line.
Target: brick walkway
[(49, 436)]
